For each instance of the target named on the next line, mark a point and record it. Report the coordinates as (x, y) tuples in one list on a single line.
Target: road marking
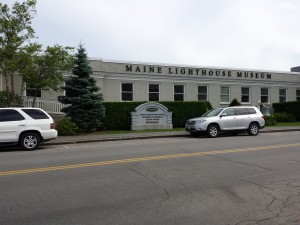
[(142, 159)]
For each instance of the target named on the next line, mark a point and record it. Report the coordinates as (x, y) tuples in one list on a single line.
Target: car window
[(214, 112), (264, 111), (251, 111), (240, 111), (7, 115), (35, 114), (229, 112)]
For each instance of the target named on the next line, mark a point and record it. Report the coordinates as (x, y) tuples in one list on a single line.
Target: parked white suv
[(27, 127), (232, 119)]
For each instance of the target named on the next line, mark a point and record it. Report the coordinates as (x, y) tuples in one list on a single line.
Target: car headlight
[(201, 121)]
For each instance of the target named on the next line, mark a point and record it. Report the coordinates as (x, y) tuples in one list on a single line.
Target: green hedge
[(288, 107), (117, 114)]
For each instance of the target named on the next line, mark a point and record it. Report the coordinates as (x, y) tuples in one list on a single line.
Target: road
[(229, 180)]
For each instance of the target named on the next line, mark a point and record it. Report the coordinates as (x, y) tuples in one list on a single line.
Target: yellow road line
[(148, 158)]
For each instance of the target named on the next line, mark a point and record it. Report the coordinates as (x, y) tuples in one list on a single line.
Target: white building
[(137, 81)]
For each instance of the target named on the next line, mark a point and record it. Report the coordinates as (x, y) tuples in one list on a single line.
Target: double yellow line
[(142, 159)]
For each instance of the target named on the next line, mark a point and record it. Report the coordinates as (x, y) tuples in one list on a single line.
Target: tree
[(235, 102), (84, 101), (44, 69), (15, 34)]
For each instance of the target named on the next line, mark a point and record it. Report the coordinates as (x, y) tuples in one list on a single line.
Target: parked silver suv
[(232, 119), (27, 127)]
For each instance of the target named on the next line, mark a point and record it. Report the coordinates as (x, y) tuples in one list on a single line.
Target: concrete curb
[(105, 139)]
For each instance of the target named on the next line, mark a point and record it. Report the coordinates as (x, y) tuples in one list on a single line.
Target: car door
[(243, 118), (11, 123), (228, 120)]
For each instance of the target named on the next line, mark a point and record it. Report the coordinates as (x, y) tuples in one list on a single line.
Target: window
[(264, 95), (35, 114), (251, 111), (178, 93), (7, 115), (67, 92), (153, 92), (202, 93), (240, 111), (245, 98), (282, 95), (229, 112), (127, 92), (31, 92), (225, 94), (298, 95)]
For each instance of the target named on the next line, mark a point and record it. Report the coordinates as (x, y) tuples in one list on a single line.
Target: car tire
[(213, 131), (253, 129), (30, 141)]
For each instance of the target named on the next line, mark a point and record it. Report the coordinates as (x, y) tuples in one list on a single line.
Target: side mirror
[(223, 114)]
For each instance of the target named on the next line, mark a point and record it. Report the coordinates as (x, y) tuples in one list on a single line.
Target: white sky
[(253, 34)]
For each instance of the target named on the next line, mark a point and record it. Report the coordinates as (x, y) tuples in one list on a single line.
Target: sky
[(249, 34)]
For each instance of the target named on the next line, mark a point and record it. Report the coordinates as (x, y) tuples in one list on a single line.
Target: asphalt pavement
[(93, 137)]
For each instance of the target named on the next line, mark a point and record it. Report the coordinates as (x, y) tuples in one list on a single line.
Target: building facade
[(136, 81)]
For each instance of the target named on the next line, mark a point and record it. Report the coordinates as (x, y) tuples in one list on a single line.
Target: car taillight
[(263, 117), (52, 125)]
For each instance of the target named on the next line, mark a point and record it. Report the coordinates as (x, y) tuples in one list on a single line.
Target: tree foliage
[(44, 69), (235, 102), (15, 35), (84, 101)]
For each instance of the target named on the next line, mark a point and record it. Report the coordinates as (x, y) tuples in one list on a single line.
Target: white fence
[(49, 105)]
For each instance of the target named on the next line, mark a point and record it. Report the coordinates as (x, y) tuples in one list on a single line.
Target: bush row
[(117, 114), (292, 108), (279, 117)]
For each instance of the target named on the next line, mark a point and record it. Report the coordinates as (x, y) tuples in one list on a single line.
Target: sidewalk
[(61, 140)]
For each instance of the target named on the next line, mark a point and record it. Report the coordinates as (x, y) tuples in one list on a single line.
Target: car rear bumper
[(49, 135)]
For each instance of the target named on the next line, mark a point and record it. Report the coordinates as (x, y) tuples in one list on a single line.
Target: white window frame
[(153, 92), (121, 91), (285, 95), (178, 93), (249, 95), (264, 95), (206, 94), (224, 94), (25, 91)]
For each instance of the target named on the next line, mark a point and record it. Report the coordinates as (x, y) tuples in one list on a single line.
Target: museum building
[(138, 81), (135, 81)]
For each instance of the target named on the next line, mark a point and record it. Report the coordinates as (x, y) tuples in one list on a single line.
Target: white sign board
[(151, 116)]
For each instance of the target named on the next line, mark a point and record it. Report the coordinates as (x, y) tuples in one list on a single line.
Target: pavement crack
[(283, 205), (167, 194)]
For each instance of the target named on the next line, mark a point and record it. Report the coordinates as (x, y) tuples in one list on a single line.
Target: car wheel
[(253, 129), (213, 131), (30, 141)]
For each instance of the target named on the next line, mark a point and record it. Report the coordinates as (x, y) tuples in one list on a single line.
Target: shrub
[(182, 111), (235, 102), (208, 105), (66, 127), (8, 99), (288, 107), (284, 117), (270, 120)]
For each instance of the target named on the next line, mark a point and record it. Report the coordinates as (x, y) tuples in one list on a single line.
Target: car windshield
[(213, 112)]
